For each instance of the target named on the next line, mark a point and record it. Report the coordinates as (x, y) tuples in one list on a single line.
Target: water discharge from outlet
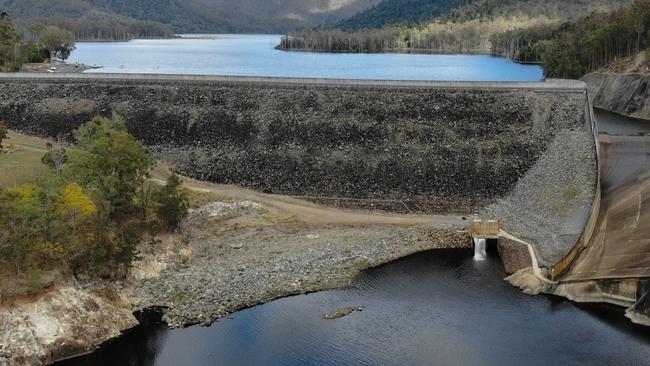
[(480, 253)]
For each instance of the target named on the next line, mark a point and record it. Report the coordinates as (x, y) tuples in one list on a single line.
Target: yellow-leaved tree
[(75, 204)]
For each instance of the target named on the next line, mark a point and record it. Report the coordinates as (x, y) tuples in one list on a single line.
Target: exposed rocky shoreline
[(242, 257), (232, 254)]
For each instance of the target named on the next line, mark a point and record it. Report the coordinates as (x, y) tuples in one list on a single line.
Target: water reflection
[(435, 308)]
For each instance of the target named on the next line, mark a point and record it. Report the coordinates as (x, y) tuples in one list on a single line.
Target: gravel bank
[(247, 254)]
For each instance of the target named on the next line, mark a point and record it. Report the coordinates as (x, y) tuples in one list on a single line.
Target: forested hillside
[(588, 44), (569, 38), (420, 11), (566, 9), (399, 11), (123, 19), (86, 21)]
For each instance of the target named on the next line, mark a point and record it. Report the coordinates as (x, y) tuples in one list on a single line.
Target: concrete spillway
[(520, 153), (620, 245)]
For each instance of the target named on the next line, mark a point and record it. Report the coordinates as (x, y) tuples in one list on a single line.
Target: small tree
[(58, 43), (110, 162), (9, 46), (3, 132), (173, 202)]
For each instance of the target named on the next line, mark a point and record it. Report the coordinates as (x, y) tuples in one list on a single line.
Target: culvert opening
[(151, 316)]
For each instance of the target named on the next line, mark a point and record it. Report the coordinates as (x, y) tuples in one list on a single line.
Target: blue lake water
[(254, 55)]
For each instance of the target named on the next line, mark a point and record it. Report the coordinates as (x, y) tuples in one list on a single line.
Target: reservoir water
[(254, 55), (434, 308)]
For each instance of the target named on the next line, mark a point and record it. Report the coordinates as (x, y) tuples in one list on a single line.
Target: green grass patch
[(20, 167)]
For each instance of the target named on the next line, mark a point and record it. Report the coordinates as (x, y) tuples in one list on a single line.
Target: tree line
[(112, 29), (471, 36), (91, 209), (576, 48)]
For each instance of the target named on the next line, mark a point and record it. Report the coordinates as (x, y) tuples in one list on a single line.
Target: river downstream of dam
[(434, 308)]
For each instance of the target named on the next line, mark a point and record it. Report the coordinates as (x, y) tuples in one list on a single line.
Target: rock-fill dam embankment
[(520, 152)]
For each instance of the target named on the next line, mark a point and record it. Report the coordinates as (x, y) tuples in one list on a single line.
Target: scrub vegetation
[(89, 206)]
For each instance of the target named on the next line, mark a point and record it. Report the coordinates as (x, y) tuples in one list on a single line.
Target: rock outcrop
[(62, 321), (626, 94)]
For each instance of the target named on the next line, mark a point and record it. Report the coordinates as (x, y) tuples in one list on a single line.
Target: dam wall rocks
[(626, 94), (414, 146)]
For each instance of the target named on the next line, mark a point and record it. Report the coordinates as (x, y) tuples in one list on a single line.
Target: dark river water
[(433, 308)]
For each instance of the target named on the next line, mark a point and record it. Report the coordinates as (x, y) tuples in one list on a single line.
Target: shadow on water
[(433, 308)]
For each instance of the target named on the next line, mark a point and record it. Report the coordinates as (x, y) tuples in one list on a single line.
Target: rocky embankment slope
[(418, 146), (626, 94)]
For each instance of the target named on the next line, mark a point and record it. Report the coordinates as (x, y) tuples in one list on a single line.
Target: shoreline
[(266, 247), (194, 313), (57, 67), (412, 52)]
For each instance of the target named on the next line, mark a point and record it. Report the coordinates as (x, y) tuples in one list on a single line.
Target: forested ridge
[(125, 19), (399, 11), (391, 12), (86, 21)]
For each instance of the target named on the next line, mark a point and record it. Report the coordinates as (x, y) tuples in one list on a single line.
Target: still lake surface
[(434, 308), (254, 55)]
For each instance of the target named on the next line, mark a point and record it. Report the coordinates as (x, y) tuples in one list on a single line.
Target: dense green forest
[(85, 21), (449, 37), (391, 12), (124, 19), (465, 26), (399, 11), (566, 9)]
